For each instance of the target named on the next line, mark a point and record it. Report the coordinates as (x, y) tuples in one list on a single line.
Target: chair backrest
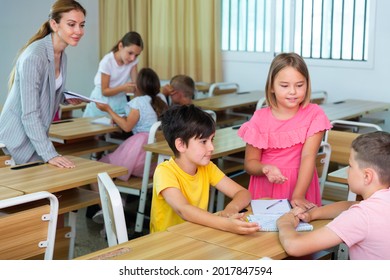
[(113, 213), (341, 141), (261, 103), (322, 164), (212, 113), (28, 229), (223, 88), (5, 160), (319, 97)]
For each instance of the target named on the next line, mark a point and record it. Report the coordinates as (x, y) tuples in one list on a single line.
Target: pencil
[(307, 210), (273, 204)]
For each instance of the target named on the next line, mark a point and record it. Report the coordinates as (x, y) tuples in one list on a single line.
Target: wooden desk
[(167, 246), (226, 142), (69, 108), (229, 101), (78, 128), (352, 108), (339, 176), (53, 179), (8, 193), (260, 244)]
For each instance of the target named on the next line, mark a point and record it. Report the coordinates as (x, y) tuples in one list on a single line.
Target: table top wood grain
[(229, 101), (167, 246), (351, 108), (49, 178), (78, 128), (260, 244), (6, 192)]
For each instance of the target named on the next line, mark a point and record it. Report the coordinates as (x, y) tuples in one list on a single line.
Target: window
[(317, 29)]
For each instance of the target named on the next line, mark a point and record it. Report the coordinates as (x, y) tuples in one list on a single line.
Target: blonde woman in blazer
[(36, 85)]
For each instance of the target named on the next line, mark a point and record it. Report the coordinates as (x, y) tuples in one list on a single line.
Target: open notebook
[(266, 212)]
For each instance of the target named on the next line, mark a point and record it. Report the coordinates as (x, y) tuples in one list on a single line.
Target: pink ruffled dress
[(281, 142)]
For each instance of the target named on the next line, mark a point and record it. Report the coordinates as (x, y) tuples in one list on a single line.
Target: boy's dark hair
[(373, 150), (185, 122)]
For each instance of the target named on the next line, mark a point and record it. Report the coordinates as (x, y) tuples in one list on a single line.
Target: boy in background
[(181, 185), (363, 226)]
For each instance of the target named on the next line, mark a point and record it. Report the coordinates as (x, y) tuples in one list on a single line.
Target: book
[(267, 211), (70, 95)]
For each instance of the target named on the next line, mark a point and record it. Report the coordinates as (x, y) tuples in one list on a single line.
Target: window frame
[(266, 57)]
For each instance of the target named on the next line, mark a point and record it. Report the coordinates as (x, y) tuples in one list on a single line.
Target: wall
[(340, 83), (20, 19)]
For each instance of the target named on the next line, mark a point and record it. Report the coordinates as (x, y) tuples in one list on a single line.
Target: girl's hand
[(167, 90), (129, 87), (103, 107), (61, 162), (274, 175), (302, 203)]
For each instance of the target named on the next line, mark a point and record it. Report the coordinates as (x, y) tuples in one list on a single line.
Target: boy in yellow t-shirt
[(181, 185)]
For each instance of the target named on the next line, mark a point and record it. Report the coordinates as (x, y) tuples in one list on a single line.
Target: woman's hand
[(74, 101), (61, 162)]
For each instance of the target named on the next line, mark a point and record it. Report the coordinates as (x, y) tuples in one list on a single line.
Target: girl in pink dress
[(283, 139)]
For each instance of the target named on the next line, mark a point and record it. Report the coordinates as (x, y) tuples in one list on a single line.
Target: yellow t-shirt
[(194, 188)]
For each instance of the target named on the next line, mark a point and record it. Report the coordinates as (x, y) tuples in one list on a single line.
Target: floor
[(88, 233)]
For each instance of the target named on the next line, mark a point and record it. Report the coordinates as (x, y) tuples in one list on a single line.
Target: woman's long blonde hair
[(56, 11)]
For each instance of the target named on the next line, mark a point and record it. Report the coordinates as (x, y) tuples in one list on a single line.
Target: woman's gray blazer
[(32, 103)]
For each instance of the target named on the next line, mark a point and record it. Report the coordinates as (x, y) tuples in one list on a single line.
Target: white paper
[(267, 222), (103, 121), (70, 95), (275, 206)]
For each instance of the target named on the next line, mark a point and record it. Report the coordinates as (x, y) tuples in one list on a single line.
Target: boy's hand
[(289, 218), (239, 225)]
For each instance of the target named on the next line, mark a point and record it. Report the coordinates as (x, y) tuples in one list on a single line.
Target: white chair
[(72, 216), (139, 186), (113, 213), (223, 88), (4, 159), (319, 96), (213, 114), (261, 103), (28, 230)]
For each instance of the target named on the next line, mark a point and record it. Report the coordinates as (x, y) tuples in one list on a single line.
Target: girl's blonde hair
[(280, 62), (56, 11)]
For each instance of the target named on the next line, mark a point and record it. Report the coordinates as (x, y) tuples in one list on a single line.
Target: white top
[(147, 114), (59, 81), (119, 74)]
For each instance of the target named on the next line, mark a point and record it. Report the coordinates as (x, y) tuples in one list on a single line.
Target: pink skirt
[(131, 155)]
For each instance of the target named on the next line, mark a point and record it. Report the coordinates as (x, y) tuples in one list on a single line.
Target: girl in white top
[(116, 75)]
